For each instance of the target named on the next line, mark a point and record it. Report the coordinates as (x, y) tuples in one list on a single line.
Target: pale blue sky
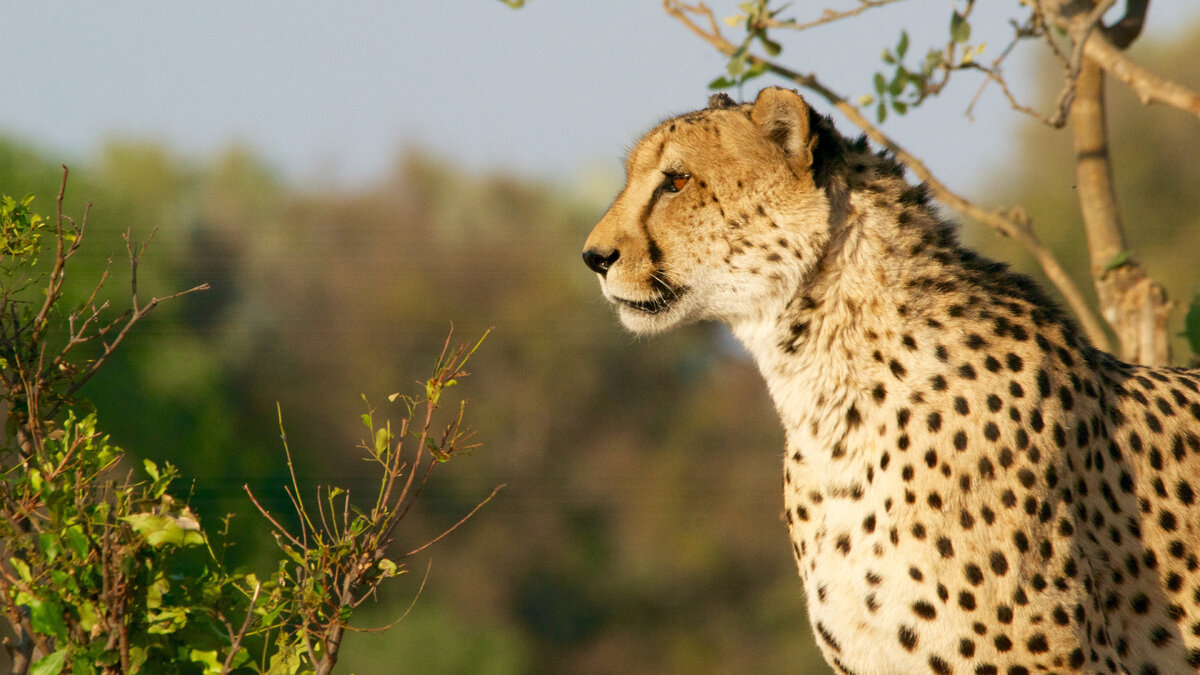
[(327, 89)]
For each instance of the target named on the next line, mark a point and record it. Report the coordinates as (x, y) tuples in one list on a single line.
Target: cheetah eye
[(675, 182)]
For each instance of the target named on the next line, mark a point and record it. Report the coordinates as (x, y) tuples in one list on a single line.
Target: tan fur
[(970, 487)]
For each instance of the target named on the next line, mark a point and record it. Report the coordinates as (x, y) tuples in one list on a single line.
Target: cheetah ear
[(782, 116)]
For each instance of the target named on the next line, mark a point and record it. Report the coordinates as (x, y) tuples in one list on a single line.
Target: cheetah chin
[(969, 485)]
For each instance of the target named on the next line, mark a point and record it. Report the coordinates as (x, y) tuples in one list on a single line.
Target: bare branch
[(1095, 45), (455, 526), (1012, 223), (827, 16), (1148, 87)]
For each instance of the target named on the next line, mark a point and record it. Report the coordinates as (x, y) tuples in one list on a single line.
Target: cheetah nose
[(599, 261)]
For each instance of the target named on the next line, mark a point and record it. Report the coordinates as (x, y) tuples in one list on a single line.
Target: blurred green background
[(639, 530)]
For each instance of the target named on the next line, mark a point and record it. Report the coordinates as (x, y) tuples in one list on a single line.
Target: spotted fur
[(970, 486)]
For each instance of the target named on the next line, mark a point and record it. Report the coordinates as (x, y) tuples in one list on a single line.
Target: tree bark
[(1134, 305)]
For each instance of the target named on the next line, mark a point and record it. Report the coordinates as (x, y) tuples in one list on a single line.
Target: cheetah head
[(720, 217)]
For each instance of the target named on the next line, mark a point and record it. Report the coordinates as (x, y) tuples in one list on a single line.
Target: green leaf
[(960, 30), (382, 440), (45, 616), (76, 540), (388, 568), (902, 47), (165, 530), (1191, 325), (166, 620), (722, 83), (1117, 260), (900, 107), (50, 664), (773, 48), (881, 112), (208, 658), (880, 84), (22, 569), (151, 469)]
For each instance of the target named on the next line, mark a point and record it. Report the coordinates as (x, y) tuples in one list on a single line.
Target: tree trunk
[(1134, 305)]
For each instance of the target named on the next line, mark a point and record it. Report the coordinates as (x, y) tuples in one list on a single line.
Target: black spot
[(1066, 398), (853, 417), (924, 610), (966, 371), (1003, 644), (828, 637), (908, 638), (1183, 491), (879, 393), (966, 600), (897, 369), (934, 421), (1037, 644), (960, 440), (991, 431), (945, 548), (938, 383), (1043, 382), (998, 562), (939, 665)]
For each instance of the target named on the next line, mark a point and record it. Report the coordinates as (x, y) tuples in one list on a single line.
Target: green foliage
[(741, 67), (104, 573), (1191, 326)]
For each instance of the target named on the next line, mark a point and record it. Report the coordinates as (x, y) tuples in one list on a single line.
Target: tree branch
[(1096, 45)]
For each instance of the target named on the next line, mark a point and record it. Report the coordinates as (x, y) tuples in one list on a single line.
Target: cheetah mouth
[(667, 297)]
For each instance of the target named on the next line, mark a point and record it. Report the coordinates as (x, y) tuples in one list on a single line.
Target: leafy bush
[(103, 568)]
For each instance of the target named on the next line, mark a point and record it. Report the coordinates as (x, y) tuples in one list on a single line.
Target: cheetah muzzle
[(969, 485)]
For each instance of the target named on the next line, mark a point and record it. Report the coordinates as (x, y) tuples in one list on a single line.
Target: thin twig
[(455, 526), (827, 16), (236, 641)]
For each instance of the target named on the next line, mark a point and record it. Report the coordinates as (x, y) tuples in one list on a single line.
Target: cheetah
[(969, 485)]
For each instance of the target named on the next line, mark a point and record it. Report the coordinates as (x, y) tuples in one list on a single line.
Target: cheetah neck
[(833, 350)]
